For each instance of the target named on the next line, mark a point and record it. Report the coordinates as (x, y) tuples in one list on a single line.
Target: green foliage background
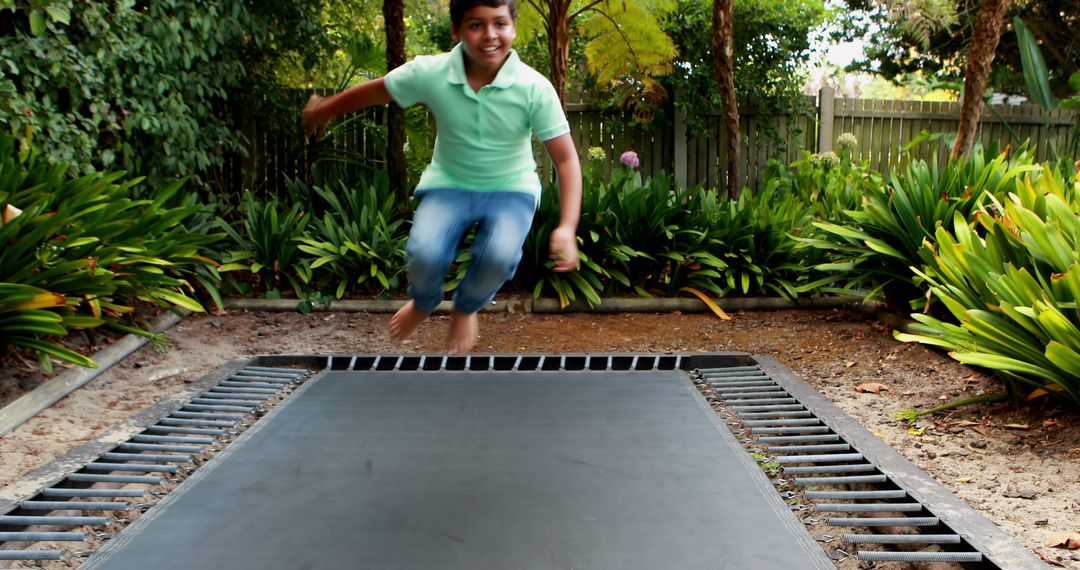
[(146, 87)]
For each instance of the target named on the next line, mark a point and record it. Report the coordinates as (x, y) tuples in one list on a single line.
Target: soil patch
[(1016, 464)]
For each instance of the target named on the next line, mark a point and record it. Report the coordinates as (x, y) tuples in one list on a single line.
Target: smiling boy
[(487, 105)]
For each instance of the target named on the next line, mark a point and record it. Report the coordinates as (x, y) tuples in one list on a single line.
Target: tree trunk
[(558, 30), (984, 41), (722, 39), (394, 19)]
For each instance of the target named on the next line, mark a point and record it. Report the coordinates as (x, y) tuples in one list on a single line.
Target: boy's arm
[(564, 249), (319, 110)]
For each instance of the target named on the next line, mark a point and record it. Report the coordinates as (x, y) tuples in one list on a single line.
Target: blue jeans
[(442, 218)]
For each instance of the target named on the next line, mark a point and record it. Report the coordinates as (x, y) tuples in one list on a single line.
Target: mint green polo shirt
[(484, 139)]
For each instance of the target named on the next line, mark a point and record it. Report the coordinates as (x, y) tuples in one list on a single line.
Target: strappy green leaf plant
[(268, 244), (1015, 290), (359, 242), (87, 242), (871, 248)]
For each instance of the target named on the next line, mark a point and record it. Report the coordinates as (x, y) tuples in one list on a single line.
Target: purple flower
[(630, 158)]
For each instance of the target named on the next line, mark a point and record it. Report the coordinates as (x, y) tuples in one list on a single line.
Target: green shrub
[(1014, 291), (269, 246), (871, 248), (360, 240), (91, 247)]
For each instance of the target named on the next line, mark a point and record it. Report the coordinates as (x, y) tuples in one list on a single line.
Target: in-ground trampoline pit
[(542, 461)]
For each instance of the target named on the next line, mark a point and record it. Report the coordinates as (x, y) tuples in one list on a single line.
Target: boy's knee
[(502, 258)]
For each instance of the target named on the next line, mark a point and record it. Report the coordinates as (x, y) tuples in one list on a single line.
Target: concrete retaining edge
[(52, 391), (548, 306)]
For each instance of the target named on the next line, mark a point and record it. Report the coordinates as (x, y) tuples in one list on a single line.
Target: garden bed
[(1014, 464)]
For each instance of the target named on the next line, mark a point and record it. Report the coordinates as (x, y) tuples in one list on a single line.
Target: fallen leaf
[(1050, 423), (849, 364), (874, 387), (1018, 426), (966, 423), (1069, 540), (1040, 392), (964, 479)]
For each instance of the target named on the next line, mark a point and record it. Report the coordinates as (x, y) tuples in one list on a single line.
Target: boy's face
[(486, 33)]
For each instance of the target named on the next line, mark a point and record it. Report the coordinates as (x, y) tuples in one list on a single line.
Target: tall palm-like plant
[(623, 38)]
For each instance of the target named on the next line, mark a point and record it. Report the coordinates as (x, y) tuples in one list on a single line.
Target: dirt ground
[(1018, 465)]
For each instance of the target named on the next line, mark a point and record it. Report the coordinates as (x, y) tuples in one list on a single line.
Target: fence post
[(679, 154), (826, 118)]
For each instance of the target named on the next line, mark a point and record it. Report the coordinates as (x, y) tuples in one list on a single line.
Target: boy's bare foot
[(405, 321), (464, 332)]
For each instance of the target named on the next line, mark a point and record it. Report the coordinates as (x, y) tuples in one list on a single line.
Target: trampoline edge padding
[(496, 412)]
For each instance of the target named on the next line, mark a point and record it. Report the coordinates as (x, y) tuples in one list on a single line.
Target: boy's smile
[(487, 34)]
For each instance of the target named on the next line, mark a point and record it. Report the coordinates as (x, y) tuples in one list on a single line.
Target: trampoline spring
[(829, 458), (814, 427), (8, 520), (41, 536), (776, 415), (209, 408), (146, 457), (852, 495), (227, 388), (730, 369), (73, 506), (879, 556), (824, 448), (758, 396), (736, 380), (854, 479), (95, 478), (187, 430), (267, 374), (31, 555), (901, 538), (205, 416), (144, 468), (808, 469), (260, 379), (221, 404), (200, 423), (809, 422), (800, 438), (60, 492), (159, 447), (870, 507), (769, 408), (254, 398), (737, 388), (893, 521), (275, 370), (170, 439)]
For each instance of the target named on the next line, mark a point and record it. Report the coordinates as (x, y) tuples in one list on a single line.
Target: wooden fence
[(883, 130)]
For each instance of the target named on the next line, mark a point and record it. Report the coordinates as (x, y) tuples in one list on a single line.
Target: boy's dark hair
[(459, 7)]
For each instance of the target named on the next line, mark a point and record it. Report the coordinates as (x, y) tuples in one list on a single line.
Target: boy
[(487, 104)]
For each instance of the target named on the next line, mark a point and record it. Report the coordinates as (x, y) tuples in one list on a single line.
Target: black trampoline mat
[(479, 471)]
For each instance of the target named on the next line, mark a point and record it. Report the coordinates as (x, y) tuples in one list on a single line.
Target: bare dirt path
[(1018, 465)]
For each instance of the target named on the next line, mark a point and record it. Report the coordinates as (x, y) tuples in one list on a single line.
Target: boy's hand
[(312, 123), (564, 249)]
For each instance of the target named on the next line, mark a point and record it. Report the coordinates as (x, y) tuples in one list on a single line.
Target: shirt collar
[(505, 77)]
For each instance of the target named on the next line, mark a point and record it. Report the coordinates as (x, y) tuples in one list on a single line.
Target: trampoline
[(527, 462)]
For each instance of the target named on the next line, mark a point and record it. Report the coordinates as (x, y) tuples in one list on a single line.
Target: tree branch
[(585, 8)]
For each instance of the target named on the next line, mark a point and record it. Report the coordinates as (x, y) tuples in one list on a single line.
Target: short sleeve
[(548, 119), (406, 82)]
